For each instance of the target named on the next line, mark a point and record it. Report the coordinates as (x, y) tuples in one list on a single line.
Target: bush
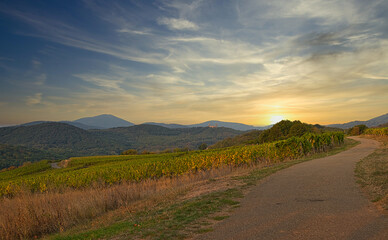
[(203, 146), (357, 130), (129, 152)]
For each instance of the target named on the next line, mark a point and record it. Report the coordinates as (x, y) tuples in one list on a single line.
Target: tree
[(203, 146), (357, 130)]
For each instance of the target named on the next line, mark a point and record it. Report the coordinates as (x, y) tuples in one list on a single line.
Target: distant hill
[(81, 125), (104, 121), (157, 138), (167, 125), (250, 137), (75, 124), (383, 125), (237, 126), (33, 123), (369, 123), (52, 135), (213, 123), (54, 140)]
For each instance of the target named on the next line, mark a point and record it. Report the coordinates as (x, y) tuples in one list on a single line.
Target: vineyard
[(377, 131), (83, 172)]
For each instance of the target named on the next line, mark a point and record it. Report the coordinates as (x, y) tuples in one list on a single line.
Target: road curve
[(318, 199)]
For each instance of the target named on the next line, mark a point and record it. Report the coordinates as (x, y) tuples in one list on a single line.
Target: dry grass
[(372, 174), (33, 215), (30, 215)]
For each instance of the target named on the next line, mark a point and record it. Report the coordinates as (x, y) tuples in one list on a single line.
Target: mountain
[(236, 126), (75, 124), (49, 135), (369, 123), (81, 125), (213, 123), (104, 121), (167, 125), (158, 138), (33, 123)]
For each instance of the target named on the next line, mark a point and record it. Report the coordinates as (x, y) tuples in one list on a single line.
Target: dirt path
[(318, 199)]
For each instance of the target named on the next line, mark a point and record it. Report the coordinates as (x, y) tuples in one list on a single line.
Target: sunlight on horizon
[(276, 118)]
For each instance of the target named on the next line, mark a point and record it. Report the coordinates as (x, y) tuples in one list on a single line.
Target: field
[(46, 200), (377, 131), (372, 171), (84, 172)]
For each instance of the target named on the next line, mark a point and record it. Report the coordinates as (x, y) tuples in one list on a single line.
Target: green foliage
[(61, 141), (250, 137), (357, 130), (285, 129), (280, 131), (25, 170), (185, 149), (17, 155), (203, 146), (129, 152), (85, 171), (377, 131)]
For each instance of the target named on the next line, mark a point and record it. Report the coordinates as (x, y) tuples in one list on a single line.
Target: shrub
[(129, 152)]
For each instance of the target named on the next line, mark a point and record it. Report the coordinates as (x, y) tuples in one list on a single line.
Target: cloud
[(106, 82), (177, 24), (41, 79), (237, 61), (35, 99), (36, 64), (136, 32), (63, 33)]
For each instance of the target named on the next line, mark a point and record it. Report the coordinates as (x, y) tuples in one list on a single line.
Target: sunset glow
[(276, 118), (193, 61)]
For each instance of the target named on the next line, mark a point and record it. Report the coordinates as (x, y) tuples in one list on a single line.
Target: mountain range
[(106, 121), (374, 122), (213, 123), (107, 134)]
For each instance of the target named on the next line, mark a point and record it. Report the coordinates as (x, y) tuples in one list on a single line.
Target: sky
[(247, 61)]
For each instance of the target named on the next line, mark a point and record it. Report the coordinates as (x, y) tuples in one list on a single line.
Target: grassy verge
[(179, 219), (372, 174)]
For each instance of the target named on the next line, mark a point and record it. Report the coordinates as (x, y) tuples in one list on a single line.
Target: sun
[(276, 118)]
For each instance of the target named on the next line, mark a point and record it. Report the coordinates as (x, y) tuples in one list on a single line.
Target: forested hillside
[(59, 140), (280, 131)]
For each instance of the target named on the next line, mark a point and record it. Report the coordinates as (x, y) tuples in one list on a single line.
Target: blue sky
[(192, 61)]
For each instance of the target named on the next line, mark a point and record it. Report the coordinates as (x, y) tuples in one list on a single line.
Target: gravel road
[(318, 199)]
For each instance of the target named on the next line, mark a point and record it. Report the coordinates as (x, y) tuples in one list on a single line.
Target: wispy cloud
[(35, 99), (41, 79), (235, 60), (136, 32), (178, 24)]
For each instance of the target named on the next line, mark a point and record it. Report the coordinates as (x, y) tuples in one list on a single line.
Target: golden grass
[(30, 215), (372, 174)]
